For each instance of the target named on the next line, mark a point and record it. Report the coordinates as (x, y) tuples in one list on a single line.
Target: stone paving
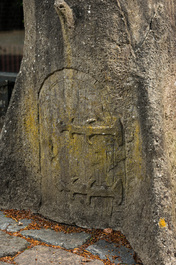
[(104, 249), (10, 245), (47, 255), (48, 236)]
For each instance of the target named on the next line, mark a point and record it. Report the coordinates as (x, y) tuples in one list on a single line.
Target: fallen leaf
[(86, 260), (75, 250), (108, 230)]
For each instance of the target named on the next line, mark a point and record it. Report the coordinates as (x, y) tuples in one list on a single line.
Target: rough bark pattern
[(89, 136)]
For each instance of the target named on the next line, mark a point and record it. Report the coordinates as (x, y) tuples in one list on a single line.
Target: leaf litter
[(40, 222)]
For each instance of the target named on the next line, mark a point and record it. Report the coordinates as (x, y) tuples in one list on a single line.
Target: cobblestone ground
[(30, 239)]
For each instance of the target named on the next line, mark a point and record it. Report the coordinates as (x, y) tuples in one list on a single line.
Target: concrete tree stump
[(89, 136)]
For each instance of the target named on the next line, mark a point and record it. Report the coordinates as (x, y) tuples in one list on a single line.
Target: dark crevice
[(147, 33)]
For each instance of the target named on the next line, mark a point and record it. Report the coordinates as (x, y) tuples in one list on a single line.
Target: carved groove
[(90, 131)]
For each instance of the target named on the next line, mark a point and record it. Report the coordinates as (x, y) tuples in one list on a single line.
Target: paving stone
[(49, 236), (10, 245), (15, 227), (11, 225), (5, 222), (47, 255), (104, 249)]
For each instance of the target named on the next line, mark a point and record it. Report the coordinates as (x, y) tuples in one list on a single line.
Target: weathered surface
[(89, 136), (45, 255), (17, 226), (48, 236), (116, 254), (76, 241), (5, 94), (5, 222), (82, 152), (11, 225), (10, 246)]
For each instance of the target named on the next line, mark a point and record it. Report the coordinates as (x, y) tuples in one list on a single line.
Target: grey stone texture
[(17, 226), (45, 255), (11, 225), (120, 254), (10, 246), (49, 236), (89, 136), (5, 222)]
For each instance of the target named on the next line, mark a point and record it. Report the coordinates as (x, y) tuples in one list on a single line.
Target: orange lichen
[(162, 223)]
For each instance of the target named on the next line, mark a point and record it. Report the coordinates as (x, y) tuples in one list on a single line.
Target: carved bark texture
[(90, 133)]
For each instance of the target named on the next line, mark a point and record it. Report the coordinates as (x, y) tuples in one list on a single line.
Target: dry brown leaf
[(75, 250), (108, 230), (86, 260)]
